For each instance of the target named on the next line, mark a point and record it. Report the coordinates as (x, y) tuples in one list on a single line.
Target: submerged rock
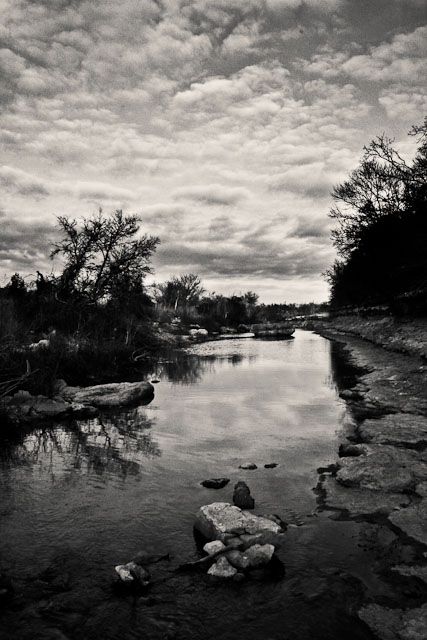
[(412, 520), (256, 556), (248, 465), (360, 502), (396, 624), (131, 573), (221, 520), (215, 483), (242, 496), (222, 569), (271, 465)]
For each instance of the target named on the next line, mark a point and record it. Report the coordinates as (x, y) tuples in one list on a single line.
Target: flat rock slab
[(416, 571), (115, 394), (384, 468), (412, 521), (360, 502), (397, 428), (396, 624), (221, 520)]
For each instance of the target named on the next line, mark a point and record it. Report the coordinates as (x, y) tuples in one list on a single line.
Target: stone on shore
[(384, 468), (221, 520), (412, 521), (114, 394), (396, 624), (360, 502), (242, 496), (395, 429), (222, 569)]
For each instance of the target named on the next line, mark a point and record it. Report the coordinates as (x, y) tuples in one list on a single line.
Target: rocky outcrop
[(273, 330), (396, 624), (77, 402), (114, 394)]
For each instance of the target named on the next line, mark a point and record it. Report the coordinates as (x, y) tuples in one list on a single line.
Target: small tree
[(104, 258)]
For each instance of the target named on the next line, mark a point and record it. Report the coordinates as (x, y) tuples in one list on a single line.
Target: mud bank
[(381, 473)]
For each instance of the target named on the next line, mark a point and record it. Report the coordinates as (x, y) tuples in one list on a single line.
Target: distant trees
[(382, 226), (180, 291)]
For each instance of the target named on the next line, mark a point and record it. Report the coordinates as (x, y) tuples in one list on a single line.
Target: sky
[(224, 124)]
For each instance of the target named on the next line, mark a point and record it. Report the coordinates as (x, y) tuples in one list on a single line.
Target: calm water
[(77, 499)]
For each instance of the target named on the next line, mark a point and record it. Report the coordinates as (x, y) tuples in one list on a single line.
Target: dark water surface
[(78, 498)]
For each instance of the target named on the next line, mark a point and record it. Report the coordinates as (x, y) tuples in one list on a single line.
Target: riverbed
[(79, 498)]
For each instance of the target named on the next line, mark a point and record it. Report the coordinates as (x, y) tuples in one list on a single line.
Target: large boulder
[(273, 330), (114, 394), (223, 521)]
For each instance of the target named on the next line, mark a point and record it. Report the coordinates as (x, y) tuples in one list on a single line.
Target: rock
[(198, 333), (132, 572), (114, 394), (253, 557), (412, 520), (248, 465), (412, 571), (124, 573), (82, 411), (272, 329), (221, 520), (351, 450), (349, 394), (242, 496), (358, 502), (396, 624), (395, 429), (271, 465), (215, 483), (213, 547), (385, 467), (222, 569)]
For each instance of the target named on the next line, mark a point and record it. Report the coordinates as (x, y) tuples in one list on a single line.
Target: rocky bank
[(381, 473)]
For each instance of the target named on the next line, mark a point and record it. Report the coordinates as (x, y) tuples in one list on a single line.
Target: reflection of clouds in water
[(115, 443)]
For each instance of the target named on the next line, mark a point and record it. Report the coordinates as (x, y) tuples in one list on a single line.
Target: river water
[(79, 498)]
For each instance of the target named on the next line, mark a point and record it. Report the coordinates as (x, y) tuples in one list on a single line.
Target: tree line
[(381, 236)]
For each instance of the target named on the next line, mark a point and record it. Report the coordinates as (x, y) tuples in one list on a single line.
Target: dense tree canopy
[(382, 226)]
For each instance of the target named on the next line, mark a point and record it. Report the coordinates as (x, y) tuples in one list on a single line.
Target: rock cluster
[(242, 541)]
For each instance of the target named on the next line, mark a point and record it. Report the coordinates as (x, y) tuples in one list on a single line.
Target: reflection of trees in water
[(344, 372), (114, 443), (190, 369)]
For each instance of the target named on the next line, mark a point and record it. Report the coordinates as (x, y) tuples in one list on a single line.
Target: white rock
[(222, 569), (213, 547), (124, 573), (218, 520)]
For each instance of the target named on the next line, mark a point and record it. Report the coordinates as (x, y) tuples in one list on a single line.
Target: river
[(79, 498)]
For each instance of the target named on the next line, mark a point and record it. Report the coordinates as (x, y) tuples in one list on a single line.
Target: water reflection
[(189, 368), (114, 443)]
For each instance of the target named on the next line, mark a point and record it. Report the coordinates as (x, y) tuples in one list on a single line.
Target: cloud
[(22, 182), (213, 194)]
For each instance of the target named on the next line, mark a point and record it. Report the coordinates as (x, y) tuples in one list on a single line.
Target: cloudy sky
[(223, 123)]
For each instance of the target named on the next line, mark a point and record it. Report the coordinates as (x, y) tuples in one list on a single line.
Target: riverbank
[(381, 474)]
